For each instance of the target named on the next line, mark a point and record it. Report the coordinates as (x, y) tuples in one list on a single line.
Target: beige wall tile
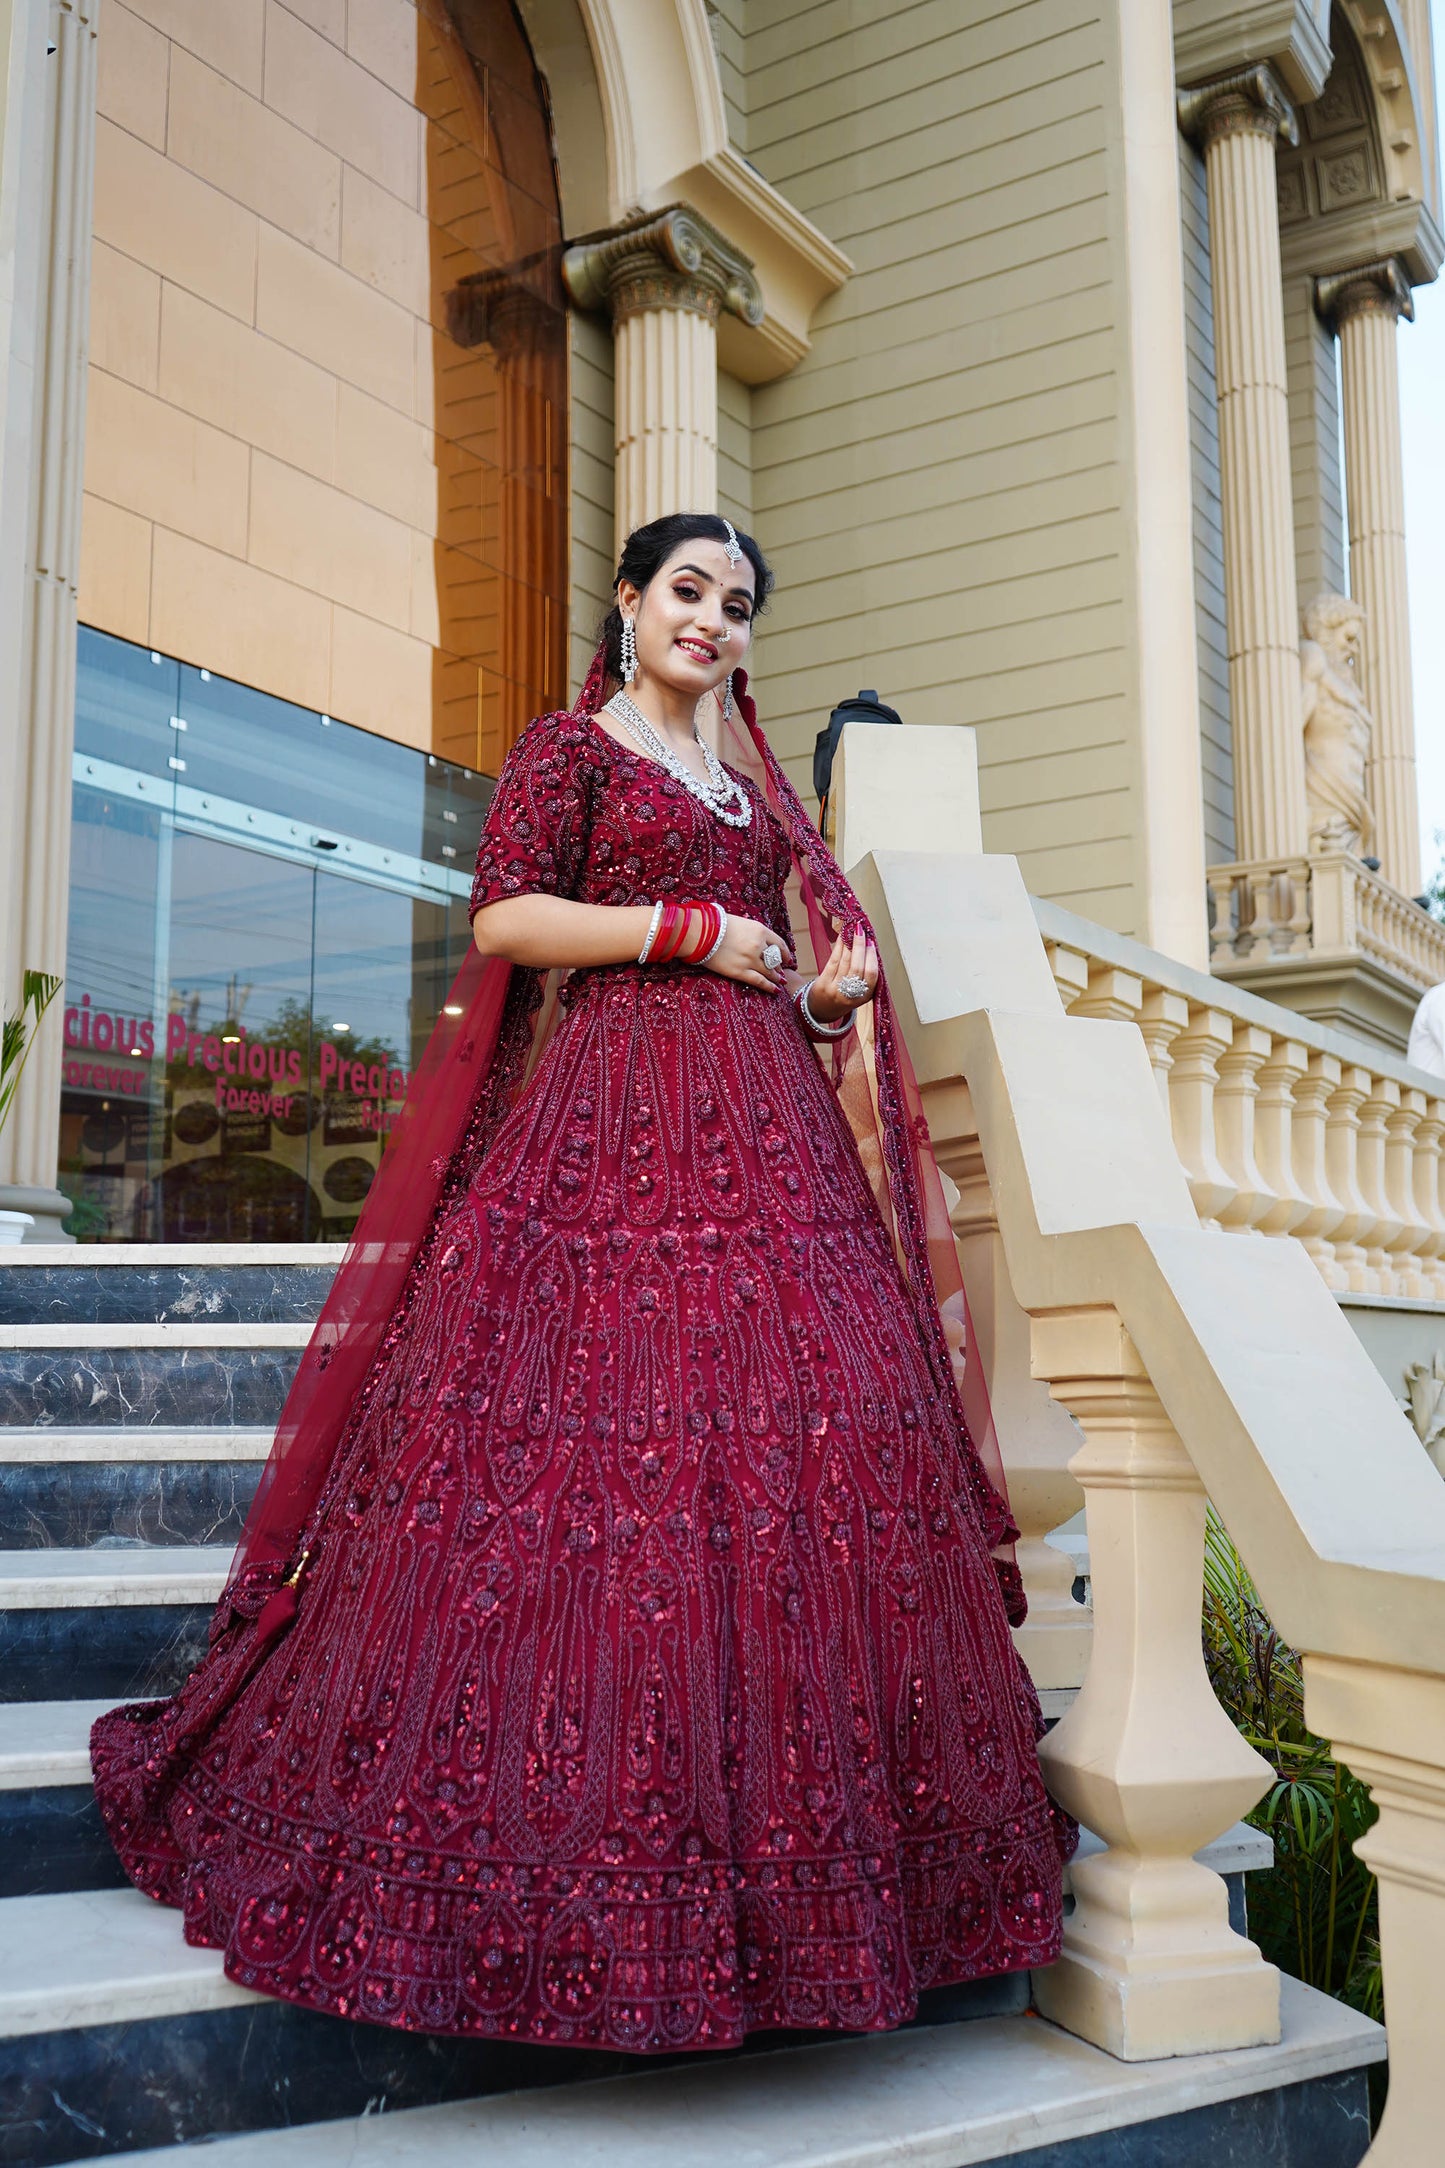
[(131, 65), (150, 208), (340, 104), (228, 616), (426, 622), (327, 16), (152, 459), (125, 317), (426, 343), (318, 538), (253, 155), (383, 36), (381, 679), (385, 242), (385, 459), (333, 319), (227, 33), (115, 570), (246, 384)]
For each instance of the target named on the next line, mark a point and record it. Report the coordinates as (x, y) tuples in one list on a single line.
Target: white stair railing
[(1196, 1362)]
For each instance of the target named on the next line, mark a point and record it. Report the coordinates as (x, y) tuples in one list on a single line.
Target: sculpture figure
[(1337, 727)]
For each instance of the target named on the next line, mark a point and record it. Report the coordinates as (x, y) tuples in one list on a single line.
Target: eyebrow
[(746, 593)]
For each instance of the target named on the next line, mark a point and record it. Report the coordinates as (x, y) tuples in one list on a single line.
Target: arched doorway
[(498, 361)]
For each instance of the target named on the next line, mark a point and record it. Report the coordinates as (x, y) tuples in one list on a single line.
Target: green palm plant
[(37, 990), (1316, 1914)]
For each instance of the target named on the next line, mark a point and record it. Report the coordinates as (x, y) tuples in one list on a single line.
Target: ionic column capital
[(671, 259), (1382, 287), (512, 310), (1249, 101)]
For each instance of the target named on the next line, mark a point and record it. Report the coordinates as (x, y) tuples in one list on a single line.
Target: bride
[(618, 1651)]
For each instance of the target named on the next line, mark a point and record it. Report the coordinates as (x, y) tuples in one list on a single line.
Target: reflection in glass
[(499, 362), (242, 1017)]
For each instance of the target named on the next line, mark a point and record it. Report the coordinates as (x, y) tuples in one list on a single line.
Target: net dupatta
[(470, 1074), (874, 1078)]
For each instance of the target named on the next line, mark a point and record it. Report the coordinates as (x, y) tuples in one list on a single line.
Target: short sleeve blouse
[(534, 838)]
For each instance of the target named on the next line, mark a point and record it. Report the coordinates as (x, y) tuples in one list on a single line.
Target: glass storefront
[(266, 909)]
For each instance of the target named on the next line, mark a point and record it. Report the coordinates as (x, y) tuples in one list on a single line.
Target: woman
[(617, 1653)]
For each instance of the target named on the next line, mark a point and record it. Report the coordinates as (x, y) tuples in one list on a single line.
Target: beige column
[(1365, 305), (1145, 1758), (47, 501), (664, 280), (1238, 120)]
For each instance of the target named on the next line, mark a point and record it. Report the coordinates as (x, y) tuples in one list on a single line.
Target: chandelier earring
[(629, 651), (728, 698)]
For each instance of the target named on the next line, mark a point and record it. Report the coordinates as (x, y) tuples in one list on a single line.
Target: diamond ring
[(772, 956), (852, 988)]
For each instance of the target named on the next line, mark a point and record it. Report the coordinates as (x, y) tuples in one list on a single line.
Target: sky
[(1422, 407)]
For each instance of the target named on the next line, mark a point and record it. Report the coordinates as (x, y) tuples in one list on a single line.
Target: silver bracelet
[(824, 1031), (656, 921), (722, 936)]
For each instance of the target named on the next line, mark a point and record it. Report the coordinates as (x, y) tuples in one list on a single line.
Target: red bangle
[(675, 923), (711, 927)]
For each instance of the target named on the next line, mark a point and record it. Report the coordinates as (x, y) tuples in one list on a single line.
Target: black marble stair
[(236, 1293), (74, 1502), (257, 2065), (234, 1387), (122, 1651)]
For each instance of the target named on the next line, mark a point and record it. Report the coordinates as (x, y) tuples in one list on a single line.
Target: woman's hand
[(741, 954), (856, 958)]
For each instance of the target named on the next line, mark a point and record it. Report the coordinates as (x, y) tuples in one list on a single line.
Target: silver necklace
[(721, 793)]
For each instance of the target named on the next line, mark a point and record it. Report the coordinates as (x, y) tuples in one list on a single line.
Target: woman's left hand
[(856, 958)]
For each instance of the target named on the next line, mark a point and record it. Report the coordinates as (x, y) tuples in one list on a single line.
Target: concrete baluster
[(1070, 968), (1036, 1438), (1308, 1139), (1388, 1725), (1145, 1757), (1162, 1017), (1406, 1272), (1193, 1083), (1381, 1101), (1117, 996), (1234, 1109), (1428, 1198), (1342, 1131), (1274, 1120)]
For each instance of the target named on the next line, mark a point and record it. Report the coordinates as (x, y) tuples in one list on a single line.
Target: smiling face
[(693, 619)]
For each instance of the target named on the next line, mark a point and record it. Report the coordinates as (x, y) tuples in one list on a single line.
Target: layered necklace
[(722, 794)]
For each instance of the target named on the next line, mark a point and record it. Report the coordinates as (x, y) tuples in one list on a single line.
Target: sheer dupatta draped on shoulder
[(474, 1066)]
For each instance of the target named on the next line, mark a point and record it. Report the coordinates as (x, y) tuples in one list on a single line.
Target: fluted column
[(1238, 120), (1365, 305), (37, 877), (664, 280)]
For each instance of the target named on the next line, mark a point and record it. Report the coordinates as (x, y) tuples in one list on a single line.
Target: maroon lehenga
[(648, 1680)]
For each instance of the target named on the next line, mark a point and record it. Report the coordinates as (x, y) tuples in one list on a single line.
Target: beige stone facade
[(1013, 336)]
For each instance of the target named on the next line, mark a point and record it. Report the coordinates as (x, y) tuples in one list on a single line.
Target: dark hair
[(647, 549)]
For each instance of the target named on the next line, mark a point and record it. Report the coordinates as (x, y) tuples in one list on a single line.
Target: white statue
[(1337, 727), (1425, 1406)]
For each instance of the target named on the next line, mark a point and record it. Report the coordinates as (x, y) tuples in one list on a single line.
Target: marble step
[(106, 1486), (946, 2096), (51, 1834), (106, 2014), (170, 1283), (169, 1376), (123, 1623)]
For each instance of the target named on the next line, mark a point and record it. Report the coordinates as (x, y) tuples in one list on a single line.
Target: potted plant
[(37, 990)]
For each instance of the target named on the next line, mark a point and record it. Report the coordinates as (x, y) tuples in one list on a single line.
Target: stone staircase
[(138, 1389)]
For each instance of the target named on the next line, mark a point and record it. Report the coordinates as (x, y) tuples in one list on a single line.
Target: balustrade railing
[(1283, 1126), (1332, 906), (1197, 1356)]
